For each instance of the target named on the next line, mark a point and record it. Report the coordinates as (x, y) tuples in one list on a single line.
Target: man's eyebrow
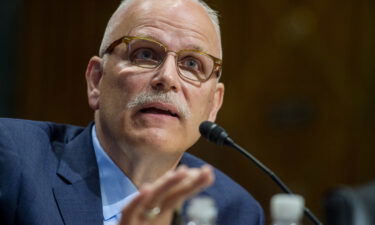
[(148, 36), (189, 47), (196, 47)]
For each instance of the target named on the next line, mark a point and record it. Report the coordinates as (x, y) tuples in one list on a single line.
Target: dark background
[(299, 76)]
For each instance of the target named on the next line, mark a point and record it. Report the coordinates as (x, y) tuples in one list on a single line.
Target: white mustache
[(157, 96)]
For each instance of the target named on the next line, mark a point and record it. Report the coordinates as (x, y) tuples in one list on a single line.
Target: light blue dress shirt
[(116, 188)]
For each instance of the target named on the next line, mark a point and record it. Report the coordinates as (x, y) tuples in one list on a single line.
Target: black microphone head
[(213, 132)]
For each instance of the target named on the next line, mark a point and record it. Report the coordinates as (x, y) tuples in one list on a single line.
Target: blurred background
[(299, 76)]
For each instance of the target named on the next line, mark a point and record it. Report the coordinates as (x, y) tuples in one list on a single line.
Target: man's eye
[(191, 64), (144, 54)]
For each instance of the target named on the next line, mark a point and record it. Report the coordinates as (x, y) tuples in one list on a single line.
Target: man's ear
[(94, 73), (217, 101)]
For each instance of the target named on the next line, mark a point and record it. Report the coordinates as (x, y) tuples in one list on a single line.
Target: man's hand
[(156, 202)]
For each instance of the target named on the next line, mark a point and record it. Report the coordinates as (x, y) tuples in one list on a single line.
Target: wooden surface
[(299, 79)]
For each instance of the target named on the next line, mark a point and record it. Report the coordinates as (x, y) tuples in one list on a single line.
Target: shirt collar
[(116, 188)]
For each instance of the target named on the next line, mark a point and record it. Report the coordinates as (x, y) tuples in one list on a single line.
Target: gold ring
[(152, 213)]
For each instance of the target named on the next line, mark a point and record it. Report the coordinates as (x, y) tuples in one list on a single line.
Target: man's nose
[(166, 77)]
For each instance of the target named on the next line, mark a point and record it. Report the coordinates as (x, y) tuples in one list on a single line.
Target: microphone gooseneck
[(217, 135)]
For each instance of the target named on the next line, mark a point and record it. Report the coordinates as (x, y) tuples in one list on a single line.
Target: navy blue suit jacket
[(49, 176)]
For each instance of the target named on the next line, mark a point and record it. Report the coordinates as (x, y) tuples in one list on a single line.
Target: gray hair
[(150, 96), (213, 15)]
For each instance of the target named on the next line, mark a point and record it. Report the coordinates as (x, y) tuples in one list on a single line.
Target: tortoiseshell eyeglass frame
[(127, 39)]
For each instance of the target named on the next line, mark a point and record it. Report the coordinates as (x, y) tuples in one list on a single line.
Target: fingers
[(167, 193), (177, 186), (190, 186), (169, 181), (133, 212)]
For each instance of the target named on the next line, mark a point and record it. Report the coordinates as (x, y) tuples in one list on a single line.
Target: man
[(154, 81)]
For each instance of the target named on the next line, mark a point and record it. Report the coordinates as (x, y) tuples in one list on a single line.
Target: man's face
[(149, 125)]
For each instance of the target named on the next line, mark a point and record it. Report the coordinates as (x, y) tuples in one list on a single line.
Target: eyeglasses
[(150, 54)]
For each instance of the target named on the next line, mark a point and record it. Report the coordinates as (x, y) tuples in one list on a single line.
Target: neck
[(141, 165), (141, 169)]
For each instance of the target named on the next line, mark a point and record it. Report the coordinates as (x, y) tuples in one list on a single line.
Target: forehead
[(177, 23)]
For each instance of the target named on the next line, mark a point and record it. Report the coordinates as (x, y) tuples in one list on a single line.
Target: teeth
[(157, 110)]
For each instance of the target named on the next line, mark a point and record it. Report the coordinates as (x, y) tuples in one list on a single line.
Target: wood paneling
[(299, 81), (59, 39)]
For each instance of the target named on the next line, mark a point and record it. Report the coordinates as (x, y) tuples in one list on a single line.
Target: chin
[(161, 141)]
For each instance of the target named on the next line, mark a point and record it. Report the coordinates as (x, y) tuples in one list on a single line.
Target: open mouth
[(154, 110)]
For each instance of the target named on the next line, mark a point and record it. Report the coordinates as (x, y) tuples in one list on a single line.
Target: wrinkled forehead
[(169, 20)]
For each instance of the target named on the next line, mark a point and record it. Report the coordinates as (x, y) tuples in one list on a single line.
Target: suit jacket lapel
[(78, 196)]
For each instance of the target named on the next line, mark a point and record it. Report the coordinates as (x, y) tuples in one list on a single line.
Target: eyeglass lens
[(148, 54)]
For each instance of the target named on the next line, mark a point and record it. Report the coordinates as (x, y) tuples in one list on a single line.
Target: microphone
[(217, 135), (214, 133)]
